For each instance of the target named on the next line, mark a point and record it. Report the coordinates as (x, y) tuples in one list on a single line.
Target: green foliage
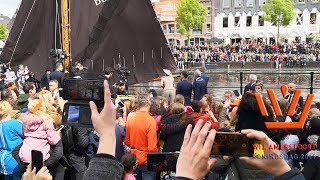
[(315, 37), (191, 15), (282, 38), (279, 12), (3, 32)]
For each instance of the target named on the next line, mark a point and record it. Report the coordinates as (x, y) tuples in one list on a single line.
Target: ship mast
[(66, 33)]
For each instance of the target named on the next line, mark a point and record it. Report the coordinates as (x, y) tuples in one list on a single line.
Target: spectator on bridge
[(167, 83), (199, 86), (250, 86), (184, 88), (58, 74)]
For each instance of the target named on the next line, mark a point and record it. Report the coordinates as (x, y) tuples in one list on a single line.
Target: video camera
[(58, 55), (122, 72)]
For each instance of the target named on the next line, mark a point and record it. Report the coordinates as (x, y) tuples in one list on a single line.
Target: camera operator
[(77, 69)]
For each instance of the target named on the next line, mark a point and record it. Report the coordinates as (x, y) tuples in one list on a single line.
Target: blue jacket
[(184, 88), (199, 88), (205, 77), (10, 138)]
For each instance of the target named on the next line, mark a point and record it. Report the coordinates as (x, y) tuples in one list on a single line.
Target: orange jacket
[(141, 135)]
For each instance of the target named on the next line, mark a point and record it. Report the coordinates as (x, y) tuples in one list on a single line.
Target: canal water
[(221, 82)]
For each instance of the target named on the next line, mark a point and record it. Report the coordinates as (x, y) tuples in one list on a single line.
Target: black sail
[(116, 31), (119, 31), (35, 24)]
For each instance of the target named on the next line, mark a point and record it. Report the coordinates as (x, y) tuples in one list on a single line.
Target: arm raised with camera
[(104, 165)]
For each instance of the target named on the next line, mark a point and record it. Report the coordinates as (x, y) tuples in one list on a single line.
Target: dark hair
[(196, 106), (314, 126), (153, 92), (249, 115), (128, 161), (28, 86), (185, 74), (108, 70)]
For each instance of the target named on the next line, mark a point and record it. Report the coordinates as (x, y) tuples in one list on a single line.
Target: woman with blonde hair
[(38, 131), (53, 109), (11, 137)]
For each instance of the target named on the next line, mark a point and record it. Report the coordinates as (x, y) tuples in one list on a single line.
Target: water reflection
[(219, 83)]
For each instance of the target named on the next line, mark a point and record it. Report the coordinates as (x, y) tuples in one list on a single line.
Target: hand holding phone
[(36, 160)]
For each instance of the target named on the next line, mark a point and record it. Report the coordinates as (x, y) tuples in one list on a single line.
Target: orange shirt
[(141, 135)]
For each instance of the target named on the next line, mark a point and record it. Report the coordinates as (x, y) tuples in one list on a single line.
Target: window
[(171, 28), (299, 19), (249, 21), (226, 3), (164, 28), (261, 21), (313, 18), (237, 3), (196, 31), (225, 22), (314, 1), (208, 27), (209, 10), (301, 1), (261, 2), (236, 21), (250, 3)]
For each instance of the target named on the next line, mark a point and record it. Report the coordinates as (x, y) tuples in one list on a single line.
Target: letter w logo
[(291, 109)]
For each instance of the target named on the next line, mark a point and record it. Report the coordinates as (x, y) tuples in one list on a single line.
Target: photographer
[(193, 162)]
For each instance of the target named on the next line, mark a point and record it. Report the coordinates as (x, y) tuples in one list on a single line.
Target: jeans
[(142, 173)]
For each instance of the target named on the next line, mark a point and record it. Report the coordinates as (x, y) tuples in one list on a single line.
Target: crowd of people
[(293, 54), (117, 145)]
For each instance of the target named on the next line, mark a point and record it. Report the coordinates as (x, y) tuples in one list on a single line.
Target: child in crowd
[(11, 137), (38, 131), (129, 162)]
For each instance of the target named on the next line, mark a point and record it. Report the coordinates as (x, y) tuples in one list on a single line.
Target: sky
[(8, 7)]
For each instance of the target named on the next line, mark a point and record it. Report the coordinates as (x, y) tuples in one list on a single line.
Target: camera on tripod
[(122, 72), (58, 55)]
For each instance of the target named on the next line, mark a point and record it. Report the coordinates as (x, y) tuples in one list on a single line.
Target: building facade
[(236, 20), (170, 29)]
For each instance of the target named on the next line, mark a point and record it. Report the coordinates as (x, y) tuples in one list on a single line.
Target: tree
[(279, 13), (3, 32), (191, 16)]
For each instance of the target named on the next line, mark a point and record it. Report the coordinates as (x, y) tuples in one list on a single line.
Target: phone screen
[(76, 114), (159, 162), (36, 160), (236, 144), (85, 90)]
